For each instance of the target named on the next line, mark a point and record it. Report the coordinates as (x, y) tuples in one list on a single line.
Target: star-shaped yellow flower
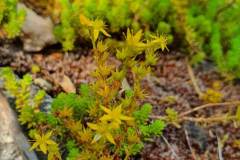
[(96, 26), (115, 116), (103, 130), (43, 141)]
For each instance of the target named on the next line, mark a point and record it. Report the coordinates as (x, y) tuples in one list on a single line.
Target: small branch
[(199, 119), (194, 81), (157, 117), (189, 145), (220, 156), (170, 147), (209, 119), (208, 106)]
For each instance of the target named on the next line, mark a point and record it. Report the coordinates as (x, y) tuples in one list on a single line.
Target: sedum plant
[(11, 19), (66, 31), (210, 28), (107, 119)]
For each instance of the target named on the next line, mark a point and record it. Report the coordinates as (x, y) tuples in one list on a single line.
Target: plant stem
[(200, 119), (157, 117), (208, 106), (183, 116), (194, 81), (209, 119)]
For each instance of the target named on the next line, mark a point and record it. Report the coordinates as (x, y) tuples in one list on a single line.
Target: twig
[(209, 119), (219, 149), (194, 81), (208, 106), (189, 145), (170, 147), (199, 119), (157, 117)]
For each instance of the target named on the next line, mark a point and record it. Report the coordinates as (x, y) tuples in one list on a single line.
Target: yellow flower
[(99, 26), (53, 152), (134, 40), (66, 112), (96, 27), (115, 116), (42, 141), (158, 42), (104, 131), (85, 21)]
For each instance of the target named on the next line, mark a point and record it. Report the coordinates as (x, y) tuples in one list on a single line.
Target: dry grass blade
[(171, 148), (189, 145)]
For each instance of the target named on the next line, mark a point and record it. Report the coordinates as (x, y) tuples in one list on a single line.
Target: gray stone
[(37, 31), (13, 143), (42, 83)]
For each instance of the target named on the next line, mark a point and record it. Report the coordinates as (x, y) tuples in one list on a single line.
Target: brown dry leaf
[(56, 56), (38, 58), (67, 85)]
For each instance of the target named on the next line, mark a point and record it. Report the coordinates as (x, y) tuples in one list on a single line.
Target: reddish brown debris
[(54, 66)]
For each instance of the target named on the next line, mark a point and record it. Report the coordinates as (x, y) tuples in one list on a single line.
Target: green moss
[(11, 19)]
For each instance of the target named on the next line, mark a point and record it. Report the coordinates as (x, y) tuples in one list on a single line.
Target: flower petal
[(105, 118), (126, 118), (34, 146), (105, 109), (85, 21), (43, 148), (110, 138), (93, 126), (105, 33), (48, 135)]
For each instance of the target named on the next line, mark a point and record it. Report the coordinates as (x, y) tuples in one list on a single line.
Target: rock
[(67, 85), (42, 83), (45, 106), (37, 31), (8, 53), (13, 144)]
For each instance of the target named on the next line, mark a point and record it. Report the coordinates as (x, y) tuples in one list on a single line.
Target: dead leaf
[(55, 56), (38, 58), (67, 85)]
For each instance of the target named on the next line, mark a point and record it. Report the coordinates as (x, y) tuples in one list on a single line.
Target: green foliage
[(135, 14), (11, 19), (141, 116), (66, 31), (79, 103), (27, 106), (214, 30), (73, 150), (155, 128)]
